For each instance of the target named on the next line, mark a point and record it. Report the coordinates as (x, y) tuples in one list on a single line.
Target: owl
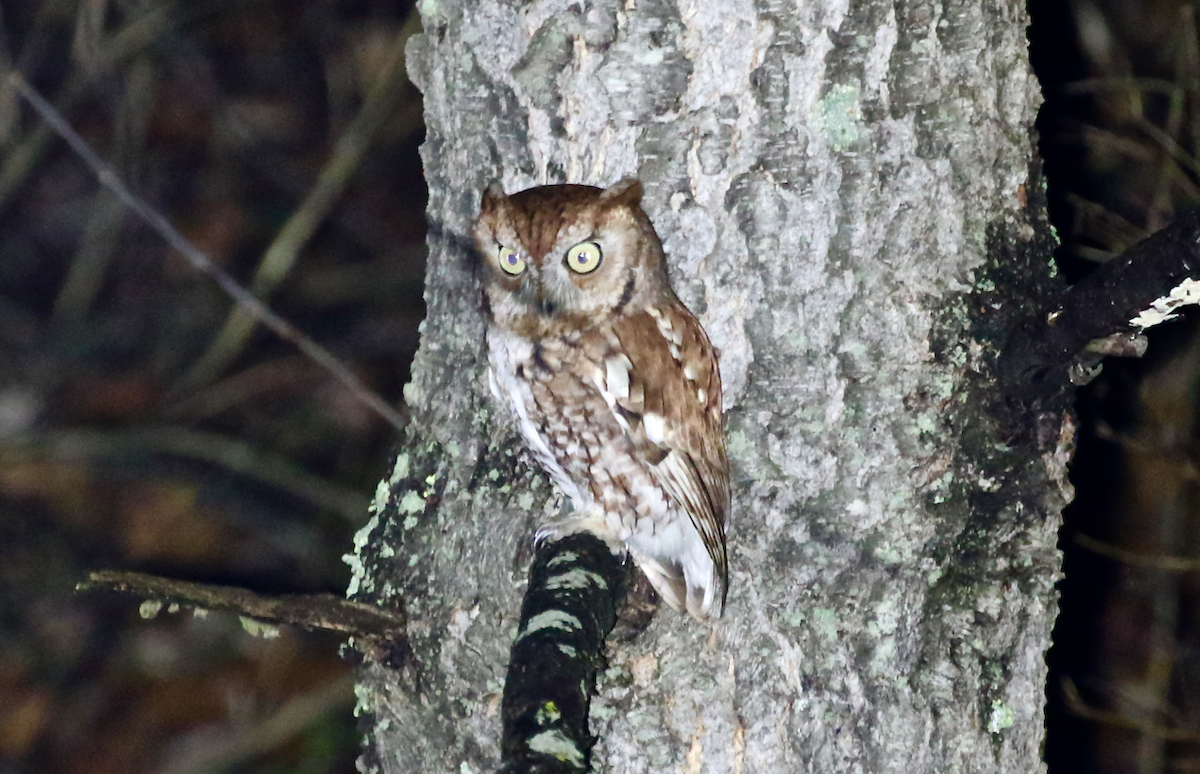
[(613, 383)]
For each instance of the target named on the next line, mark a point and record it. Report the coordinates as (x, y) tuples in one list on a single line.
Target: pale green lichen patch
[(362, 699), (525, 501), (575, 579), (566, 556), (556, 744), (412, 394), (363, 536), (566, 650), (379, 501), (399, 470), (740, 448), (825, 622), (257, 628), (551, 619), (793, 617), (427, 8), (888, 554), (601, 712), (149, 608), (411, 503), (547, 713), (837, 115), (359, 579), (1001, 717)]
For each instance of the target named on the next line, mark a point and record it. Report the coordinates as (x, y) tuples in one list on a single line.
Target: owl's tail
[(699, 591)]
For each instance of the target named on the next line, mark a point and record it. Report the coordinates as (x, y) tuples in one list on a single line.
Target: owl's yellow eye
[(510, 261), (584, 258)]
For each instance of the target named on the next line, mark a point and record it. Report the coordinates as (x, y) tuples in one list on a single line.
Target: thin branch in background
[(1081, 709), (231, 454), (106, 216), (1100, 85), (1168, 564), (199, 261), (1106, 227), (248, 740), (348, 154)]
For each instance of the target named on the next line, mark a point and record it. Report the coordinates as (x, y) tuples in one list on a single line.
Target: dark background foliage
[(125, 442), (1120, 135)]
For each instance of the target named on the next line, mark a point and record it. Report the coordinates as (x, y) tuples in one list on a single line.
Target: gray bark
[(845, 196)]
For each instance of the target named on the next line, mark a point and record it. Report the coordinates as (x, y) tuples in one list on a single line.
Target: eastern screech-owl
[(611, 379)]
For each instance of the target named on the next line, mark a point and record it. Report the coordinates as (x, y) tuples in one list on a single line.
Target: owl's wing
[(664, 387)]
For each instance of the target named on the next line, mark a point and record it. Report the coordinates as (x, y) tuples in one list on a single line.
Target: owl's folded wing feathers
[(663, 386)]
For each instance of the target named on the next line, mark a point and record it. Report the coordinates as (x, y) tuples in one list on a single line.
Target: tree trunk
[(849, 202)]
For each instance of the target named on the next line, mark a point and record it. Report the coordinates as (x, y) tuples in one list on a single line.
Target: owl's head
[(568, 255)]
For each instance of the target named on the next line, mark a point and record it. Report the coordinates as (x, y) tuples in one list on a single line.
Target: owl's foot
[(593, 524)]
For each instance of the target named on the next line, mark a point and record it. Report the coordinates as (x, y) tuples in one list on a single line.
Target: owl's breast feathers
[(626, 415)]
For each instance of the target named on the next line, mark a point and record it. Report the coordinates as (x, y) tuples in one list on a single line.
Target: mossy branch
[(569, 608)]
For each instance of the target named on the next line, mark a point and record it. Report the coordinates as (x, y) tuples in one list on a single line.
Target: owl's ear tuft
[(627, 192), (492, 196)]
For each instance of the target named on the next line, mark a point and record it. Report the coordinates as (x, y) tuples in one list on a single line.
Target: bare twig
[(324, 612), (199, 261)]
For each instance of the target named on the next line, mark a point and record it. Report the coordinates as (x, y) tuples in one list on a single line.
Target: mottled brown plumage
[(611, 379)]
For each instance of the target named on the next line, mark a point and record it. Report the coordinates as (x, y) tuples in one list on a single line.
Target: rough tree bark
[(849, 201)]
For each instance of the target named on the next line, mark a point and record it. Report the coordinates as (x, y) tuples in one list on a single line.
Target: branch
[(569, 608), (310, 611), (201, 262), (1104, 313)]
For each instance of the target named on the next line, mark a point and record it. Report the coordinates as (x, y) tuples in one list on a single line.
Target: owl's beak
[(534, 296)]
